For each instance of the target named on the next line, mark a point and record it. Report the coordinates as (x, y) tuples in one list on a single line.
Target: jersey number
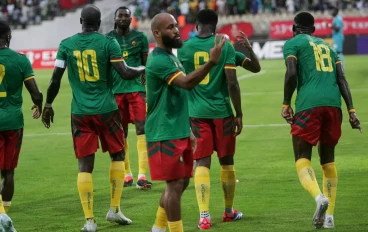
[(197, 63), (125, 55), (322, 58), (2, 74), (87, 65)]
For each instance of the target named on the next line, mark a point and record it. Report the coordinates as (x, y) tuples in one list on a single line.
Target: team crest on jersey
[(134, 43)]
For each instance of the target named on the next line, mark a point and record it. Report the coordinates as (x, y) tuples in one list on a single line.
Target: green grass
[(268, 192)]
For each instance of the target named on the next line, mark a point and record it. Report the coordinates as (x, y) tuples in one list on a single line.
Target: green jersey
[(88, 58), (15, 68), (240, 58), (316, 84), (133, 46), (167, 113), (210, 99)]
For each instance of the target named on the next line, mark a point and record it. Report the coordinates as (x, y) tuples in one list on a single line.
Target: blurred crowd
[(143, 9)]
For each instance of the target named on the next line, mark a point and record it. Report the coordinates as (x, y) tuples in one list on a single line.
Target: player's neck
[(123, 32), (3, 44), (161, 45), (204, 34), (89, 29)]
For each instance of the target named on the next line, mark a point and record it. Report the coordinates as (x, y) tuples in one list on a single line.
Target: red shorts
[(132, 107), (170, 159), (10, 144), (87, 129), (213, 135), (320, 124)]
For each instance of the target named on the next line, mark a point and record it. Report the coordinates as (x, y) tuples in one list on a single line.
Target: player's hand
[(354, 122), (47, 116), (193, 141), (143, 79), (288, 114), (243, 40), (224, 36), (215, 52), (38, 111), (238, 125)]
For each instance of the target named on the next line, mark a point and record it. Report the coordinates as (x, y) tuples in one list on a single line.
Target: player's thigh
[(331, 126), (110, 131), (10, 146), (307, 125), (170, 159), (85, 138), (122, 102), (203, 130), (224, 139)]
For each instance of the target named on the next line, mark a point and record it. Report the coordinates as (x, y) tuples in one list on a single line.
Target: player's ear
[(313, 29), (294, 29), (156, 33), (80, 20)]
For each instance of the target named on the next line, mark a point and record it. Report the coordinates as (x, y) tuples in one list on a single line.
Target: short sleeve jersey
[(15, 68), (209, 99), (338, 22), (240, 58), (88, 58), (167, 112), (316, 63), (132, 47)]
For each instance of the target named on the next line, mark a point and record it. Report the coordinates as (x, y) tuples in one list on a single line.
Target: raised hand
[(243, 39), (215, 52)]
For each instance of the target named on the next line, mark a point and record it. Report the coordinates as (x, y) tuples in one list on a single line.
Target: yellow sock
[(161, 219), (228, 186), (176, 226), (2, 209), (307, 177), (330, 185), (85, 189), (6, 206), (117, 175), (202, 187), (126, 161), (142, 154)]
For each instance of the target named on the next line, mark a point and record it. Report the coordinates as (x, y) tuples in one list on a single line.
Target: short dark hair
[(207, 17), (4, 28), (304, 19), (121, 8)]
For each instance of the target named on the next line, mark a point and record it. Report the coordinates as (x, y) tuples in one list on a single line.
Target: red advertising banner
[(352, 26), (69, 4), (45, 59), (41, 59)]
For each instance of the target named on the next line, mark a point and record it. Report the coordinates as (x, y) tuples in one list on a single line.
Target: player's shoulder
[(111, 34), (159, 57), (138, 33)]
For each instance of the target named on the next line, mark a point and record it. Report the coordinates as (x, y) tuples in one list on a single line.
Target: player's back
[(89, 71), (15, 68), (316, 61), (210, 99)]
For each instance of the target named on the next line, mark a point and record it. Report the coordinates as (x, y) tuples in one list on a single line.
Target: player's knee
[(176, 186), (7, 174), (139, 125), (186, 183), (119, 156), (86, 164), (227, 160), (204, 162)]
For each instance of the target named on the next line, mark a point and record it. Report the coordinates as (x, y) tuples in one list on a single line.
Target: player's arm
[(36, 95), (289, 88), (252, 63), (194, 78), (126, 72), (346, 95), (144, 56)]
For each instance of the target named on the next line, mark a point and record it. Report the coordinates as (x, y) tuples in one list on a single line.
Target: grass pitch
[(268, 191)]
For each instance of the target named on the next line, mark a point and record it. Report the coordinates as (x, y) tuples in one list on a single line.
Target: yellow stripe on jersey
[(292, 57), (116, 59), (175, 75), (230, 66), (338, 62), (246, 58), (29, 78)]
